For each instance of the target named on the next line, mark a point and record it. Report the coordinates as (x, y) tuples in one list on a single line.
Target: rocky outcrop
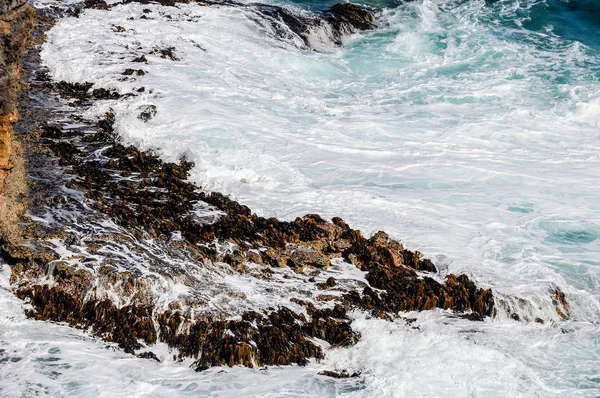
[(16, 22), (334, 24), (153, 200)]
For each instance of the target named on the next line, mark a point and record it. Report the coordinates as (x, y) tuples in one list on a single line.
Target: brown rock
[(303, 257)]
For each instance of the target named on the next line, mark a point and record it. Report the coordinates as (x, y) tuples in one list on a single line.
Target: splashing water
[(468, 129)]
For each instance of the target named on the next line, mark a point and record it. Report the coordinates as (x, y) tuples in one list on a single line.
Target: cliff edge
[(16, 23)]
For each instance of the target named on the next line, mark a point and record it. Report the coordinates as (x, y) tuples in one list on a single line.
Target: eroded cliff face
[(16, 22)]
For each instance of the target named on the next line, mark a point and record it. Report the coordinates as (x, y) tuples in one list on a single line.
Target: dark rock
[(148, 113), (78, 91), (329, 283), (141, 58), (96, 4), (165, 53), (148, 355), (42, 76), (350, 17), (104, 94), (343, 19), (339, 375)]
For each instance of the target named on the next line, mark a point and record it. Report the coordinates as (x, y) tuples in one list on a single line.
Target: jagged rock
[(130, 72), (77, 91), (96, 4), (303, 257), (148, 355), (338, 375), (165, 53), (560, 303), (345, 15), (104, 94), (16, 23), (329, 283), (343, 19), (148, 113), (141, 58)]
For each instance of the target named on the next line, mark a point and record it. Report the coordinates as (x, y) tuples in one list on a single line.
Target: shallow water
[(469, 130)]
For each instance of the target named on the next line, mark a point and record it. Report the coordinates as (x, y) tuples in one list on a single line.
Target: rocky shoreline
[(113, 231)]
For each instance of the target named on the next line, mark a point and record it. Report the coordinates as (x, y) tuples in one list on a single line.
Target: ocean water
[(467, 129)]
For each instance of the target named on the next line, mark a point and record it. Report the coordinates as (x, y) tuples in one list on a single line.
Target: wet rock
[(329, 283), (104, 94), (403, 290), (341, 20), (339, 375), (148, 355), (79, 91), (167, 3), (560, 303), (96, 4), (126, 326), (42, 76), (166, 53), (130, 72), (148, 113), (51, 131), (141, 58), (350, 17), (302, 257), (278, 338)]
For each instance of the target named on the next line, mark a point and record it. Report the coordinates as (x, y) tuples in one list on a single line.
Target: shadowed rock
[(335, 23)]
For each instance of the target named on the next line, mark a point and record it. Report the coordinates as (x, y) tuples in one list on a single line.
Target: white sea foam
[(461, 137)]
